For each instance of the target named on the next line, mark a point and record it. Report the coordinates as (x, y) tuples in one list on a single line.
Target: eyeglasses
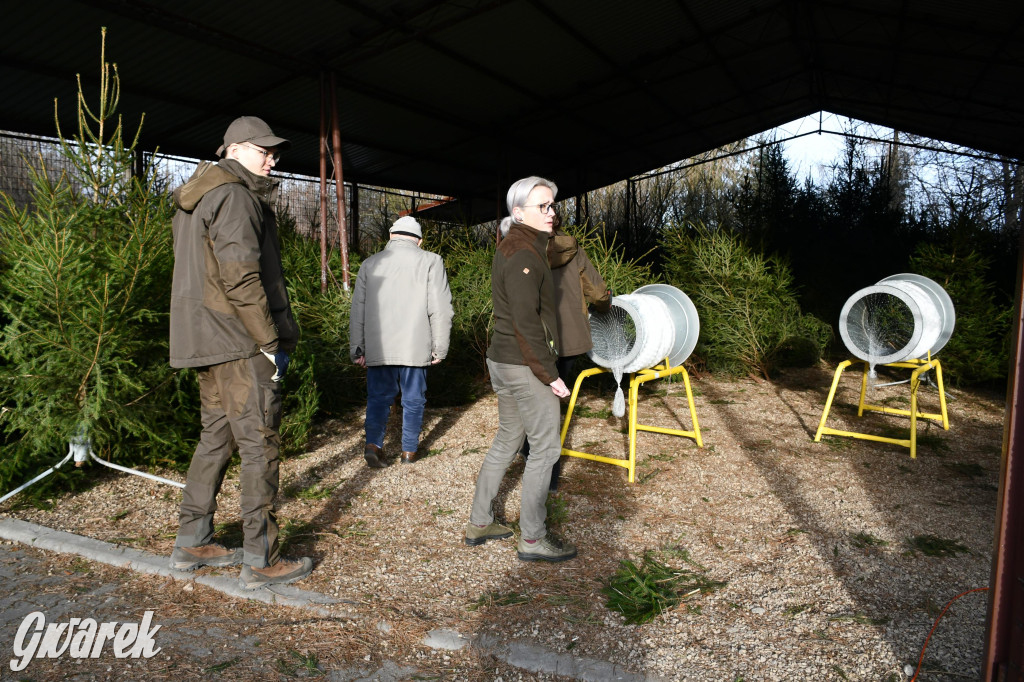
[(543, 208), (275, 155)]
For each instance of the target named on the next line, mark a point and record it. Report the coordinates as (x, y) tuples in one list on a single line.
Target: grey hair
[(506, 223), (521, 189)]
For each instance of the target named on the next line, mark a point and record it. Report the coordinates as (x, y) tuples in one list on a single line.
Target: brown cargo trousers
[(240, 404)]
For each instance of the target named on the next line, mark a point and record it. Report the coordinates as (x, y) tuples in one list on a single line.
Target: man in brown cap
[(231, 320)]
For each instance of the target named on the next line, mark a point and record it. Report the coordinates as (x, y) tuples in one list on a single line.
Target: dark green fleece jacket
[(524, 303)]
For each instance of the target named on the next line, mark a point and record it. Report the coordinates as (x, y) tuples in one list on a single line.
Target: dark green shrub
[(623, 276), (798, 351), (978, 350), (467, 259), (749, 315), (321, 380)]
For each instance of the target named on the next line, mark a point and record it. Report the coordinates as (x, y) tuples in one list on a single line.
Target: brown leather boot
[(281, 573), (374, 456), (191, 558), (410, 457)]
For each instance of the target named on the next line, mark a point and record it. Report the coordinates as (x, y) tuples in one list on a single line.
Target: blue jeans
[(382, 385)]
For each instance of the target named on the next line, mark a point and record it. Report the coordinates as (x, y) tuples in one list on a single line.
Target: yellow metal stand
[(919, 367), (635, 380)]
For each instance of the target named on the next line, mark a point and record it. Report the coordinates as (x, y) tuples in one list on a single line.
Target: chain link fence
[(25, 157)]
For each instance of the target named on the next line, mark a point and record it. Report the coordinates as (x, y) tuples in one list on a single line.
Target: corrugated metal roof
[(462, 97)]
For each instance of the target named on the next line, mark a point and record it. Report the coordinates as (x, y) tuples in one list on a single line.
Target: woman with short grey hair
[(521, 361)]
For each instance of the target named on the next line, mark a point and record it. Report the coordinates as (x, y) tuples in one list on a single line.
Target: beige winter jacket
[(401, 307)]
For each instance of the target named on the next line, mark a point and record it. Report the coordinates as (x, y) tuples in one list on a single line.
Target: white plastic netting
[(901, 318), (636, 333)]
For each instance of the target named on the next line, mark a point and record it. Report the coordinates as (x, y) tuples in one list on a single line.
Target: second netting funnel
[(903, 317)]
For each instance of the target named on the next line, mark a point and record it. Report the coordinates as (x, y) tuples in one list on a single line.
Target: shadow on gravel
[(868, 550)]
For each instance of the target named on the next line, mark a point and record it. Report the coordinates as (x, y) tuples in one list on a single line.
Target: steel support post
[(339, 184), (1004, 643)]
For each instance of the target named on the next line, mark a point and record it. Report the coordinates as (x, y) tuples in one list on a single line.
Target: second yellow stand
[(919, 367)]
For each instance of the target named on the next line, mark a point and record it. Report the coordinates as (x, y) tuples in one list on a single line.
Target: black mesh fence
[(23, 156)]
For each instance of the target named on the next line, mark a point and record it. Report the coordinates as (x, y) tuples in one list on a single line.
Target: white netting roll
[(636, 333), (903, 317)]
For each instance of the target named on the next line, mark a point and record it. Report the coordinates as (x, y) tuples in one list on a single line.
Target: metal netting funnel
[(903, 317), (635, 333), (642, 329), (684, 316)]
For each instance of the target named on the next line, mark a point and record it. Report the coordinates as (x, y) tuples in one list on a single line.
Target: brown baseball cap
[(251, 129)]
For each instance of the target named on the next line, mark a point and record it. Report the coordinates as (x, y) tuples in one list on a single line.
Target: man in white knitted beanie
[(400, 324)]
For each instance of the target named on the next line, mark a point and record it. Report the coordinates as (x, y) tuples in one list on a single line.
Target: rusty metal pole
[(1004, 641), (339, 185), (323, 183)]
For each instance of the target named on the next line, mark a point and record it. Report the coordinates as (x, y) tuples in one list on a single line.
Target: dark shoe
[(475, 535), (548, 548), (191, 558), (281, 573), (374, 456), (410, 457), (556, 473)]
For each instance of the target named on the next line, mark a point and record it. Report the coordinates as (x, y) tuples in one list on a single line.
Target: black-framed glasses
[(267, 154), (544, 209)]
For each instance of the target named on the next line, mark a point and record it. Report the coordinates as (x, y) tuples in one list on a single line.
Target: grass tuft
[(933, 545), (584, 411), (641, 593), (558, 510), (867, 540), (498, 599)]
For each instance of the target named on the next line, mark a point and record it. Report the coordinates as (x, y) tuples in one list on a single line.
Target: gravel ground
[(812, 540)]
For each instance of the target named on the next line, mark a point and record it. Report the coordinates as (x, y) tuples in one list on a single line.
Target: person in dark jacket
[(521, 361), (231, 320), (578, 285)]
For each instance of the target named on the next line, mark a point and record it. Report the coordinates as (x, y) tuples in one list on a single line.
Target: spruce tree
[(85, 276)]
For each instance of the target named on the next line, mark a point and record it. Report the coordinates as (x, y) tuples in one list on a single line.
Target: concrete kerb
[(117, 555), (529, 657)]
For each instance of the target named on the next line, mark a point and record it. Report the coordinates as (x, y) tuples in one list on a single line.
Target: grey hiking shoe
[(191, 558), (548, 548), (281, 573), (475, 535)]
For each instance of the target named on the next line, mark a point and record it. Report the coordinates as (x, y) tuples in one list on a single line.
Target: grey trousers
[(525, 407), (240, 404)]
